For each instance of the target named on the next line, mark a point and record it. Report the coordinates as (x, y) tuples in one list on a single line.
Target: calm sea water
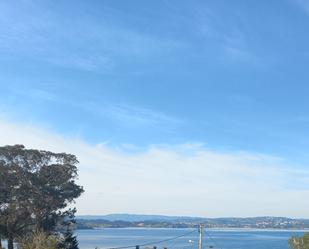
[(219, 239)]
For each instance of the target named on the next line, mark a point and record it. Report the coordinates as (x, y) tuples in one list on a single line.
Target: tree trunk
[(0, 243), (10, 242)]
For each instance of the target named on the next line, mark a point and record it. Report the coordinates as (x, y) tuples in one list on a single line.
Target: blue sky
[(230, 76)]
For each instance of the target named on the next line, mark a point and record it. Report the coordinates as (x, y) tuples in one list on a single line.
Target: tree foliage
[(36, 188), (69, 241)]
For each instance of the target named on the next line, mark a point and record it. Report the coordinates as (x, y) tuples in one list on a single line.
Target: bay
[(218, 239)]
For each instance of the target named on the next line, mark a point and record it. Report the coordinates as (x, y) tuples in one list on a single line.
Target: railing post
[(200, 241)]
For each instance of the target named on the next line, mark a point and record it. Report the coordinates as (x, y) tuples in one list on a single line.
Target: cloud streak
[(91, 44), (186, 179), (137, 116), (303, 4), (230, 39)]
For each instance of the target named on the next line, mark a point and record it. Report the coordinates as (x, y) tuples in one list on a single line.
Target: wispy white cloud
[(137, 116), (36, 31), (121, 114), (237, 48), (303, 4), (185, 179), (129, 115), (92, 63), (231, 41), (40, 94)]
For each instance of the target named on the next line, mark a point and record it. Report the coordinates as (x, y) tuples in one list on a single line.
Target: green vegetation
[(39, 240), (36, 188), (299, 242), (69, 240)]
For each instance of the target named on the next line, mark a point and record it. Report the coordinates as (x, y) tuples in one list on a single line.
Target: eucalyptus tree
[(36, 188)]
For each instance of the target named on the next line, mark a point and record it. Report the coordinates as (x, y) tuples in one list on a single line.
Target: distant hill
[(135, 217), (136, 220)]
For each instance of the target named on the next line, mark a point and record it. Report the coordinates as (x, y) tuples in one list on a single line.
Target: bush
[(39, 240), (299, 242)]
